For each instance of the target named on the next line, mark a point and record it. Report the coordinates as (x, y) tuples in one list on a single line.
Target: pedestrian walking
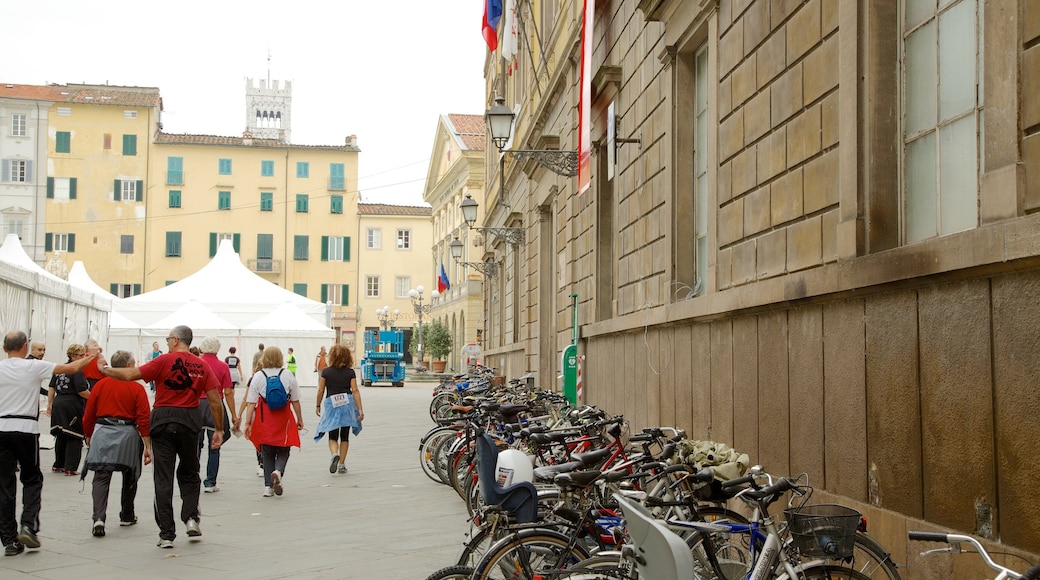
[(320, 361), (235, 367), (338, 406), (290, 362), (180, 378), (66, 400), (269, 423), (257, 356), (115, 424), (210, 346), (20, 380), (156, 353)]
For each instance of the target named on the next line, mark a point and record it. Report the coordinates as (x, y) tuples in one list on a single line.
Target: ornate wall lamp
[(489, 269)]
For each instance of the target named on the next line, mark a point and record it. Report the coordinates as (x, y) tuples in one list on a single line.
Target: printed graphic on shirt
[(182, 374)]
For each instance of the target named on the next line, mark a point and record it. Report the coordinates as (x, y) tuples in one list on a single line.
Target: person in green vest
[(290, 363)]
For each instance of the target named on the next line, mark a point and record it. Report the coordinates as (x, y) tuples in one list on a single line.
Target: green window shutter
[(129, 144), (302, 200), (50, 188), (175, 198), (223, 200), (266, 201), (62, 142), (72, 243), (224, 166), (173, 244), (140, 190), (235, 242), (300, 247), (267, 168), (114, 289), (72, 188), (117, 191), (48, 242), (346, 249), (212, 244), (265, 246), (337, 204), (137, 289), (337, 180), (324, 248), (303, 169), (300, 289), (324, 293), (344, 292)]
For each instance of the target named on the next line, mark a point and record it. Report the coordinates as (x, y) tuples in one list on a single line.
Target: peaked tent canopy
[(224, 299), (79, 278)]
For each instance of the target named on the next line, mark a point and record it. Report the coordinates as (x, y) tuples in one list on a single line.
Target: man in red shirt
[(119, 411), (180, 379)]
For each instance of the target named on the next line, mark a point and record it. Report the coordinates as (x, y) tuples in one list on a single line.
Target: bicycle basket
[(823, 531)]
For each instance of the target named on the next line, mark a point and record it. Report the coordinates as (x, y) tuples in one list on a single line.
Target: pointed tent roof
[(286, 316), (117, 320), (79, 278), (194, 315), (226, 280), (13, 253)]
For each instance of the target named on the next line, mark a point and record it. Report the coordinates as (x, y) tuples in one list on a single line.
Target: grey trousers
[(102, 484)]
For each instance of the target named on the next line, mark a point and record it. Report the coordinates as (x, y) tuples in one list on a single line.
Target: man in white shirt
[(20, 379)]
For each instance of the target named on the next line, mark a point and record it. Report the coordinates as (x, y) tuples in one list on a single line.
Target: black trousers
[(174, 452), (19, 449), (68, 450)]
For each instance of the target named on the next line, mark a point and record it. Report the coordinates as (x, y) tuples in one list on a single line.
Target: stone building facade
[(817, 244)]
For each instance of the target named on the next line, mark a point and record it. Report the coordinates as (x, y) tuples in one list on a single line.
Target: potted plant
[(437, 343)]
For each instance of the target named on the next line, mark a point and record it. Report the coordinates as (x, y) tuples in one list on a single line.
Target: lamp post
[(387, 318), (416, 294), (488, 269)]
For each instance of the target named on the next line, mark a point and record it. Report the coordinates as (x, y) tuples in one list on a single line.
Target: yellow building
[(142, 208), (457, 170), (393, 259), (94, 173)]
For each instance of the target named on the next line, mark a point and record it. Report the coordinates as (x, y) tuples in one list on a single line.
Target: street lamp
[(488, 269), (513, 236), (387, 318), (499, 119), (416, 294)]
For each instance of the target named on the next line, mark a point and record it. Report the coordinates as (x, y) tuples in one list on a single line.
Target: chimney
[(351, 140)]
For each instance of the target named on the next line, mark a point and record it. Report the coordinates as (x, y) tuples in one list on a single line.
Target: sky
[(384, 71)]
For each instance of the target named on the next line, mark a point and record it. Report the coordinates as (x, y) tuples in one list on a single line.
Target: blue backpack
[(275, 396)]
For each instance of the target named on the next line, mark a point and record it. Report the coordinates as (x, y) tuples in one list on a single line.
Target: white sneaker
[(268, 492), (165, 544), (193, 528), (211, 489), (276, 482)]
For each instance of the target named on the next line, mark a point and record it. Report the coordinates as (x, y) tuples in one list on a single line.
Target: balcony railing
[(337, 184), (265, 266)]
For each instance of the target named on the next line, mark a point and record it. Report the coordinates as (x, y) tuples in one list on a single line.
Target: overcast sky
[(381, 70)]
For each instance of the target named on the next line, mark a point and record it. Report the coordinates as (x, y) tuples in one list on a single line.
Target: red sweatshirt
[(112, 397)]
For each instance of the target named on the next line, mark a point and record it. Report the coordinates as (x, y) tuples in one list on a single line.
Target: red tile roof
[(85, 94), (471, 129), (387, 209), (187, 139)]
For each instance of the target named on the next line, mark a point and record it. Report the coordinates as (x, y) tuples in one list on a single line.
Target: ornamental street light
[(488, 269), (387, 318), (416, 294)]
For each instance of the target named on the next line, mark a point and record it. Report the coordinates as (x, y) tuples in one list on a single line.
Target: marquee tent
[(46, 307), (226, 300)]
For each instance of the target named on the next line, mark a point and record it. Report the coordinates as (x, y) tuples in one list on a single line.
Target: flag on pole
[(492, 14), (510, 38), (585, 100), (442, 281)]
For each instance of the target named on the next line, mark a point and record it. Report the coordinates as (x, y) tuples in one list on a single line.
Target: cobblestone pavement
[(384, 519)]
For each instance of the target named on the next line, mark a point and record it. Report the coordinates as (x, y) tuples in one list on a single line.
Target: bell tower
[(268, 110)]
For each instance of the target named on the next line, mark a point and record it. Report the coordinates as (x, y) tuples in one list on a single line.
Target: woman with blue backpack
[(269, 422)]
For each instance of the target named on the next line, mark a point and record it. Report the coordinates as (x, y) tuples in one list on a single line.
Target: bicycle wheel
[(608, 565), (522, 555), (452, 573), (870, 559), (442, 456), (427, 458)]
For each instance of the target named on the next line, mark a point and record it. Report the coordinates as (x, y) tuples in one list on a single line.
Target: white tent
[(79, 278), (226, 300), (46, 307)]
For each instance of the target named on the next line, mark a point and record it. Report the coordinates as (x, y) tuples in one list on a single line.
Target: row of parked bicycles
[(556, 491)]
